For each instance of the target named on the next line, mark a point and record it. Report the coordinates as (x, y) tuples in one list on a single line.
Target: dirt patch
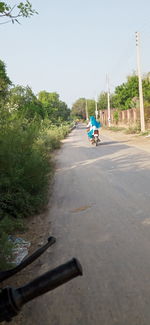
[(141, 142), (83, 208)]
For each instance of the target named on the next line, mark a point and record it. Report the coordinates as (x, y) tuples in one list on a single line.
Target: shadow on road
[(108, 154)]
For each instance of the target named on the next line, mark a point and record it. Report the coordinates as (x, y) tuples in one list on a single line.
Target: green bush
[(50, 137), (63, 131), (116, 116), (25, 165), (25, 170)]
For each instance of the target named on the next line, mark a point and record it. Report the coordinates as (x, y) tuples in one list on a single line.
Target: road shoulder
[(138, 141)]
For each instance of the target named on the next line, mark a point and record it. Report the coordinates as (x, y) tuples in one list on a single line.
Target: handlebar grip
[(49, 281), (12, 299)]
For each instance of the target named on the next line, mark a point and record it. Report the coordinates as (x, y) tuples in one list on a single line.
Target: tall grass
[(25, 170)]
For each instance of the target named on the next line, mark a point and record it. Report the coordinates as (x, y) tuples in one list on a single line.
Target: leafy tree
[(91, 107), (13, 13), (20, 96), (146, 88), (50, 101), (126, 92), (102, 101), (63, 112), (23, 100), (4, 81), (78, 108), (53, 107)]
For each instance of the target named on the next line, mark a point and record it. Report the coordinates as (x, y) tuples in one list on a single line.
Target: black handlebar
[(7, 274), (11, 299), (49, 281)]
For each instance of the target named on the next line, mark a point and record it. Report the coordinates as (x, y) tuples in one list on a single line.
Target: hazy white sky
[(72, 44)]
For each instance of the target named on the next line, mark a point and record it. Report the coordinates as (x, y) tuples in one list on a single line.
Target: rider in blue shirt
[(94, 125)]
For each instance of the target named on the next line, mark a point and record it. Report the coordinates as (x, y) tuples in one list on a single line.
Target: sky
[(71, 45)]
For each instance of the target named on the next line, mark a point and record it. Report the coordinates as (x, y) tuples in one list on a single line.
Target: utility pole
[(108, 102), (86, 109), (96, 110), (142, 120)]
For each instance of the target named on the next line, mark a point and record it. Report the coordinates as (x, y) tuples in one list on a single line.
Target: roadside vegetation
[(31, 127)]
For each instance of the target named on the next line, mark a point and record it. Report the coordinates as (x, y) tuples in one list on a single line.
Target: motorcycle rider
[(93, 125)]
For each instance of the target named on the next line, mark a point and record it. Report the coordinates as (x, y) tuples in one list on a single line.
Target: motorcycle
[(95, 139), (12, 299)]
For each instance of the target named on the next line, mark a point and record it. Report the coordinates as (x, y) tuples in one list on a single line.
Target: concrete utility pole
[(142, 120), (86, 109), (96, 110), (108, 102)]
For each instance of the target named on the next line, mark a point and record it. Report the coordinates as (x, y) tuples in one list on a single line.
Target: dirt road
[(100, 213)]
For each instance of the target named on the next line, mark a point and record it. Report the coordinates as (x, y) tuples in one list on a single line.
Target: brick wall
[(127, 118)]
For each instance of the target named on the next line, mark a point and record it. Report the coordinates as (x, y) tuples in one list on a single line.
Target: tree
[(13, 13), (102, 101), (91, 107), (22, 100), (4, 82), (63, 112), (146, 88), (20, 96), (78, 108), (125, 93), (54, 108)]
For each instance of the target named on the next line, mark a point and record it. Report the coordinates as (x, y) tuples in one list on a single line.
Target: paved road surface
[(100, 212)]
